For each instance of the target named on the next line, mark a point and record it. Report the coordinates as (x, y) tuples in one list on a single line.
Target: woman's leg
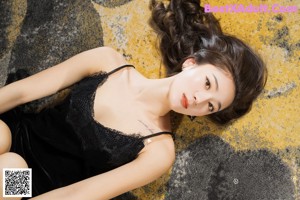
[(10, 160), (5, 138)]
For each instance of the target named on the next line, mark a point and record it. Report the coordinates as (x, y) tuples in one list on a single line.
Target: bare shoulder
[(161, 150), (106, 58)]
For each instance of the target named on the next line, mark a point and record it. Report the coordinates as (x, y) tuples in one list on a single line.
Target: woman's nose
[(200, 97)]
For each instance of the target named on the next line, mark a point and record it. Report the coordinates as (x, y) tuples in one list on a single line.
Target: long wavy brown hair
[(186, 31)]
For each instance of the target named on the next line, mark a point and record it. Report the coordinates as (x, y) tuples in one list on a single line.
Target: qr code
[(17, 182)]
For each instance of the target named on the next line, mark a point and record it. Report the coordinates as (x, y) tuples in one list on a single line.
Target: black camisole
[(64, 144)]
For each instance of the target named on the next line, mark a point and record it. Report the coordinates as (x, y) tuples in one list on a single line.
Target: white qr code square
[(17, 182)]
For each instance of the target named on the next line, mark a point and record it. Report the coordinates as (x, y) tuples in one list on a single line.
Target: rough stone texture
[(211, 169), (12, 14), (202, 157), (111, 3), (260, 152), (126, 196), (51, 32)]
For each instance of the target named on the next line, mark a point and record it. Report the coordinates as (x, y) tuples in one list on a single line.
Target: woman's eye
[(207, 83), (210, 107)]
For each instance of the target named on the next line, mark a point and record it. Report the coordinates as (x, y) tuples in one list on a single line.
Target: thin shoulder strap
[(157, 134), (117, 69)]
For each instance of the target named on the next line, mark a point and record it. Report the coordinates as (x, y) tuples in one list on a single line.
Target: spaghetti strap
[(157, 134), (151, 135), (118, 68)]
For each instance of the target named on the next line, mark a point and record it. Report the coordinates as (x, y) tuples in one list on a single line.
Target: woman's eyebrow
[(216, 82), (217, 87)]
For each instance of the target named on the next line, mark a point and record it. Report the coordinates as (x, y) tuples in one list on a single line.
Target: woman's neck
[(152, 94)]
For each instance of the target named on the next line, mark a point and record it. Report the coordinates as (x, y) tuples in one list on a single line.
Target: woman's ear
[(188, 63)]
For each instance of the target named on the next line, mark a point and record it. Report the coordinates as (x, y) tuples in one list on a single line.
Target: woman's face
[(201, 89)]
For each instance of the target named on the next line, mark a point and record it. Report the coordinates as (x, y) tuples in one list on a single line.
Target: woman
[(112, 133)]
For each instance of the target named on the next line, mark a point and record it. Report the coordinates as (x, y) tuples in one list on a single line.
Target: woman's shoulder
[(112, 59), (161, 147)]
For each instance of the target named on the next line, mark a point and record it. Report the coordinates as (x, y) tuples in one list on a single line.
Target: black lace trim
[(92, 102), (132, 135)]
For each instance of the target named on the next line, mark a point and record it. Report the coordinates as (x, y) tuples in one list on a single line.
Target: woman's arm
[(58, 77), (149, 166)]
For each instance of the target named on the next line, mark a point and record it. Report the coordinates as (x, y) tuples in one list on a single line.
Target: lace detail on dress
[(92, 102), (102, 80), (103, 148)]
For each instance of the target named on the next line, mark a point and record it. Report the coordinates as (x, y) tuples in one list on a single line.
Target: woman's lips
[(184, 101)]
